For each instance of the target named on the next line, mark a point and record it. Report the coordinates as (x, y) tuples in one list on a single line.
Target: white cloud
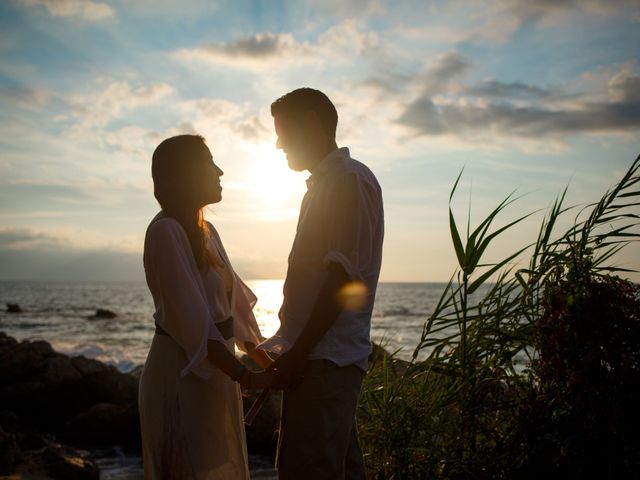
[(348, 38), (119, 97), (87, 10)]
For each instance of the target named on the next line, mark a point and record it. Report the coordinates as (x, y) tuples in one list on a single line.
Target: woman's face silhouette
[(205, 178)]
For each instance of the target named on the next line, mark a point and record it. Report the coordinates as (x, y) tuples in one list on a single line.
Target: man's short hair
[(302, 100)]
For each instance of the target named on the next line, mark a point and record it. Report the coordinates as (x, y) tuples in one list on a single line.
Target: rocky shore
[(56, 411)]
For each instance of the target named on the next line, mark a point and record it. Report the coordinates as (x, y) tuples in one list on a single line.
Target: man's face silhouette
[(295, 140)]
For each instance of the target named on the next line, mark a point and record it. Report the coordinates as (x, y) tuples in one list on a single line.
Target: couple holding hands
[(190, 398)]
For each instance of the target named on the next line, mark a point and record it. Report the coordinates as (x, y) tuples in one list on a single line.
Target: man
[(334, 264)]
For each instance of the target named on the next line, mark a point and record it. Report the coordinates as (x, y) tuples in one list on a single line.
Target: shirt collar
[(327, 164)]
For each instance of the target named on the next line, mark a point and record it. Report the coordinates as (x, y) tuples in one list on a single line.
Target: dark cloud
[(445, 70), (15, 238), (494, 88), (438, 77), (263, 45), (69, 264), (427, 118), (527, 110)]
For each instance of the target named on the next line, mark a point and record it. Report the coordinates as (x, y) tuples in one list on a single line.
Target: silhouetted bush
[(533, 375)]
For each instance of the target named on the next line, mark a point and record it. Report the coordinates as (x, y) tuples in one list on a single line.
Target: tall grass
[(466, 410)]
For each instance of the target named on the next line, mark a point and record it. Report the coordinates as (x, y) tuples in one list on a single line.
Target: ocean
[(63, 314)]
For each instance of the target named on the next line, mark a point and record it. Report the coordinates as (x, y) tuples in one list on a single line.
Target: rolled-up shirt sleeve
[(348, 222), (181, 305)]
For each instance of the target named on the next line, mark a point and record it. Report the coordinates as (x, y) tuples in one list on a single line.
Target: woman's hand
[(257, 380), (259, 356)]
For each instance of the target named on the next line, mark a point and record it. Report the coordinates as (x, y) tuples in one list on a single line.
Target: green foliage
[(531, 374)]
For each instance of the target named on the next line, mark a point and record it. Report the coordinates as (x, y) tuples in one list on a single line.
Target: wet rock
[(14, 308), (61, 462), (104, 313)]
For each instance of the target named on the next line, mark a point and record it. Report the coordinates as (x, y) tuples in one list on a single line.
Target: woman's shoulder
[(165, 228)]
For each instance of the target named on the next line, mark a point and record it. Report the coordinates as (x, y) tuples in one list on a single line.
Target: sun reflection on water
[(269, 293)]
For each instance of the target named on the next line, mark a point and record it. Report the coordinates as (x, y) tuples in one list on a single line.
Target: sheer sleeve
[(245, 326), (181, 305)]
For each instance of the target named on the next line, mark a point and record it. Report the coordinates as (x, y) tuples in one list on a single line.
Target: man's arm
[(326, 310)]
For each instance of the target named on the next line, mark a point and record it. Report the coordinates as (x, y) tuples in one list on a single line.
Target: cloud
[(497, 21), (117, 98), (28, 254), (21, 238), (447, 68), (427, 118), (42, 190), (521, 110), (81, 9), (253, 51), (227, 115), (497, 89), (624, 86), (32, 99), (341, 9), (274, 50)]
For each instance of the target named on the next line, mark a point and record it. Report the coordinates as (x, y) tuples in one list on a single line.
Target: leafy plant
[(472, 409)]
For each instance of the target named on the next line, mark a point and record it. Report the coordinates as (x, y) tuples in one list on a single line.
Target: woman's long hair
[(173, 168)]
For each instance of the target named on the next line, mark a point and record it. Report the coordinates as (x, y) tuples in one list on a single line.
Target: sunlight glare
[(276, 189)]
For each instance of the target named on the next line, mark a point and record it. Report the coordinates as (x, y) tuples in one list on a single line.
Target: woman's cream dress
[(190, 412)]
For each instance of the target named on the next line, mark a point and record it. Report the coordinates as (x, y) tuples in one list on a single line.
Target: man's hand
[(289, 368)]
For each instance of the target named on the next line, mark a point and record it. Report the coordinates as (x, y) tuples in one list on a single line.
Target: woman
[(190, 400)]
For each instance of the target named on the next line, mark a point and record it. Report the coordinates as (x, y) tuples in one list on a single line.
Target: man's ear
[(315, 124)]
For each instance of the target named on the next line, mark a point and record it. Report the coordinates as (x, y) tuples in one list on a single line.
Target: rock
[(14, 308), (137, 372), (21, 360), (47, 389), (378, 354), (104, 424), (9, 421), (104, 313), (9, 451), (63, 463)]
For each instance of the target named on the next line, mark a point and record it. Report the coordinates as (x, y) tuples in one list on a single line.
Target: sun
[(275, 187)]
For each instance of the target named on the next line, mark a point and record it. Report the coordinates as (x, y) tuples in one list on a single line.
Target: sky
[(526, 96)]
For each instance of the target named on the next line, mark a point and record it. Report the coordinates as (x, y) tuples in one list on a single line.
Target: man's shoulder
[(361, 171), (350, 165)]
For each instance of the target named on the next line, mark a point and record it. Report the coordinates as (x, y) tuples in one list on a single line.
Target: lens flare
[(353, 296)]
